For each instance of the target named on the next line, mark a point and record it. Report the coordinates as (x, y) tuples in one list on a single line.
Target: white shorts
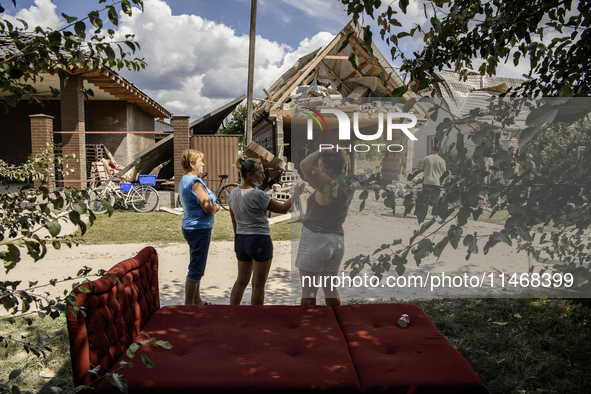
[(320, 252)]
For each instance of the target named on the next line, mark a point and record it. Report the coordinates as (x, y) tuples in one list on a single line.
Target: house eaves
[(105, 83), (123, 89)]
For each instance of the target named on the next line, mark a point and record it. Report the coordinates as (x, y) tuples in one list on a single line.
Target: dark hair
[(333, 161), (436, 149), (247, 165)]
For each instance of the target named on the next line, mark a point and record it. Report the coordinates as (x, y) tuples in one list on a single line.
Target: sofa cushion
[(417, 359), (222, 348), (105, 316)]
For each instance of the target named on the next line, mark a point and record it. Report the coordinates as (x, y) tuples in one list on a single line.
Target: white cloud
[(196, 65), (41, 14)]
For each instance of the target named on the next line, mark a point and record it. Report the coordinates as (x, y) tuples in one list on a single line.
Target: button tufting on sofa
[(257, 349)]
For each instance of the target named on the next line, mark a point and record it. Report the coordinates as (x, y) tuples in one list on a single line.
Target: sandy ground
[(364, 232)]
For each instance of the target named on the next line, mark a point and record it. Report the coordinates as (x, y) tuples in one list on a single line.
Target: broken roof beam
[(310, 66), (336, 76)]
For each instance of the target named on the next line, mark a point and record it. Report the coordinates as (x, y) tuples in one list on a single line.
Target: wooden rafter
[(336, 76), (307, 69)]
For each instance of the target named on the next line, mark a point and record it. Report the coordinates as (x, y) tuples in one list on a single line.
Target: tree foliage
[(31, 50), (235, 124), (553, 36), (28, 212), (548, 208)]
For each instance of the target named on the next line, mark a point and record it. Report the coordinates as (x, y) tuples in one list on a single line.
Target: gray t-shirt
[(249, 207)]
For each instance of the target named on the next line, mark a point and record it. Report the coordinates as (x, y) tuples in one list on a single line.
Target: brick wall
[(42, 139), (72, 111), (15, 129), (182, 137), (119, 116)]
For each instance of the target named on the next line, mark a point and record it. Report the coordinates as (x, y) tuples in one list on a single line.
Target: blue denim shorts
[(198, 241), (257, 247)]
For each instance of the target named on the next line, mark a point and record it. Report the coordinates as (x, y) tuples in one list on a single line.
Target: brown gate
[(220, 153)]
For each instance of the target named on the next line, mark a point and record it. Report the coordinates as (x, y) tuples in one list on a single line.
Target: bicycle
[(222, 193), (141, 196)]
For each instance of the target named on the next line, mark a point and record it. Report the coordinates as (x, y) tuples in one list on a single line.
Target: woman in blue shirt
[(199, 206)]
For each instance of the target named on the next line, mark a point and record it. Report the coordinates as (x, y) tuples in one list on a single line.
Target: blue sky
[(197, 50)]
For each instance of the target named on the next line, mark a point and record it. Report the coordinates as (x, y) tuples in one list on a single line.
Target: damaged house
[(458, 96), (327, 78)]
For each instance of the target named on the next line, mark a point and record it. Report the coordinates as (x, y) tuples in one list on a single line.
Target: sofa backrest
[(106, 315)]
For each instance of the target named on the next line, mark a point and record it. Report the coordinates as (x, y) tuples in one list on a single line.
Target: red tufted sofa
[(256, 349)]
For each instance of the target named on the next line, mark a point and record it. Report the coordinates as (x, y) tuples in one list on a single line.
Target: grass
[(514, 345), (520, 345), (160, 228), (38, 374)]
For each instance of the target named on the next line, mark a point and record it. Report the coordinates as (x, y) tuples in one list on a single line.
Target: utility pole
[(249, 94)]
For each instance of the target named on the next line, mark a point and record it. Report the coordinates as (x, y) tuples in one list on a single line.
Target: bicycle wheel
[(224, 193), (98, 194), (144, 198)]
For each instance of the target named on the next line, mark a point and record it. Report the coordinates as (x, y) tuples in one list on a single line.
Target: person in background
[(528, 167), (252, 242), (433, 167), (322, 243), (488, 163), (199, 207)]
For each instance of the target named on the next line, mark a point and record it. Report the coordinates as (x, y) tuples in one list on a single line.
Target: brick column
[(182, 138), (42, 139), (72, 112)]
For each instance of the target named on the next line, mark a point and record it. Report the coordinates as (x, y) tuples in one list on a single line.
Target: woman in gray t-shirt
[(252, 241)]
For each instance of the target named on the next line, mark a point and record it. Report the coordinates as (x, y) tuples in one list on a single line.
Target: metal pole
[(249, 95)]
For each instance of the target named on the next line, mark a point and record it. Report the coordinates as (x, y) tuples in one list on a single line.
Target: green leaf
[(147, 361), (471, 241), (81, 208), (15, 373), (95, 19), (528, 133), (118, 380), (164, 344), (455, 235), (69, 19), (399, 92), (54, 228), (409, 104), (403, 4), (346, 41), (542, 115), (130, 352), (112, 14), (353, 60), (80, 29), (460, 148)]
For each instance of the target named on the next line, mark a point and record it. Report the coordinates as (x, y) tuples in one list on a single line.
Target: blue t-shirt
[(195, 217)]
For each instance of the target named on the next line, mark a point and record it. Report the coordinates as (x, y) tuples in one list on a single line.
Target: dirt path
[(364, 232)]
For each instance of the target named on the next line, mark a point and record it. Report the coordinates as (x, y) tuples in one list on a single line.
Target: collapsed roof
[(348, 68), (162, 151)]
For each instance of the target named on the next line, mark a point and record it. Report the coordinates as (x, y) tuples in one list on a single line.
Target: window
[(431, 143)]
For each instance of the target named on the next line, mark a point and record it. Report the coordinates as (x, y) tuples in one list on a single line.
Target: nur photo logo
[(394, 121)]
